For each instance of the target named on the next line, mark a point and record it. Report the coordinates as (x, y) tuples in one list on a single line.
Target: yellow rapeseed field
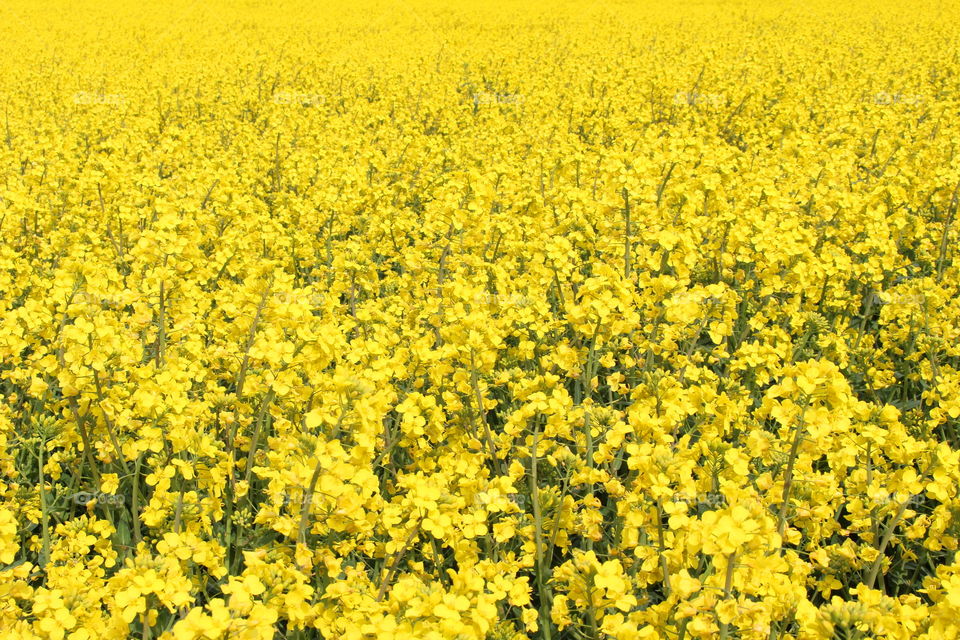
[(479, 319)]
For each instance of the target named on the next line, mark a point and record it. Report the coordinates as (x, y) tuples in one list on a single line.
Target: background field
[(479, 320)]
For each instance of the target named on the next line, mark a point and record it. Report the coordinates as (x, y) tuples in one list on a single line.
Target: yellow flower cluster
[(429, 320)]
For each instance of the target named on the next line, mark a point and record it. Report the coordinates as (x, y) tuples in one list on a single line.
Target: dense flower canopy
[(415, 319)]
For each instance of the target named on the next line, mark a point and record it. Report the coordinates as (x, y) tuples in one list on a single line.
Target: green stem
[(727, 587), (45, 553), (788, 476), (663, 558), (260, 422), (545, 597)]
